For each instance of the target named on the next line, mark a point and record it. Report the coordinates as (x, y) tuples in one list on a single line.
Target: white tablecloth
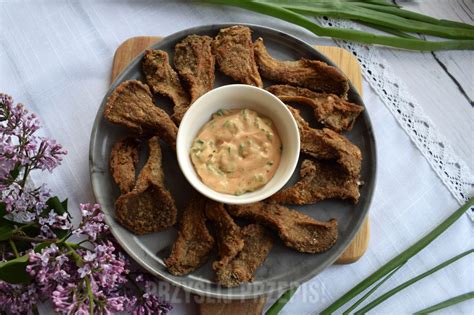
[(56, 58)]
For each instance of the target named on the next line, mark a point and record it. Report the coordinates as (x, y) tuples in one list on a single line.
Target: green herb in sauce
[(233, 155)]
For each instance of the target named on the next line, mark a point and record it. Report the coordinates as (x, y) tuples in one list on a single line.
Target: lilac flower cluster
[(19, 144), (93, 277), (18, 298), (22, 151), (90, 277)]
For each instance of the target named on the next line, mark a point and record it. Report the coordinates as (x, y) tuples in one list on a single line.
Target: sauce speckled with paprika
[(238, 151)]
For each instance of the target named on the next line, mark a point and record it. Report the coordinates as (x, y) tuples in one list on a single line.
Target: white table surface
[(56, 57)]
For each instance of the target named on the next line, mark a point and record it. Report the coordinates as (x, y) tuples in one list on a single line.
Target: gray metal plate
[(284, 267)]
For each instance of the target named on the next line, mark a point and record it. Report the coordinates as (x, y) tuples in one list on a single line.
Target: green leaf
[(60, 207), (447, 303), (64, 204), (15, 171), (281, 302), (399, 259), (3, 209), (363, 298), (6, 230), (407, 283), (14, 271), (38, 248), (56, 205)]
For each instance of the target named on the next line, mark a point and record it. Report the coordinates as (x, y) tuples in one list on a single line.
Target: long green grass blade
[(281, 302), (356, 13), (347, 34), (388, 30), (365, 296), (447, 303), (413, 15), (341, 2), (399, 259), (408, 283)]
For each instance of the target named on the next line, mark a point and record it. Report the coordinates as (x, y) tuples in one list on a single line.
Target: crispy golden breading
[(194, 242), (296, 229), (319, 180), (326, 144), (257, 245), (164, 80), (234, 53), (195, 63), (228, 234), (329, 109), (311, 74), (152, 171), (149, 207), (123, 161), (348, 154), (131, 105)]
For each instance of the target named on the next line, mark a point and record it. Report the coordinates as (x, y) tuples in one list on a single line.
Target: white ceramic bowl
[(232, 97)]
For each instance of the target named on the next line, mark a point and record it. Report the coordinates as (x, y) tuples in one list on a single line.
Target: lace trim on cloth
[(453, 171)]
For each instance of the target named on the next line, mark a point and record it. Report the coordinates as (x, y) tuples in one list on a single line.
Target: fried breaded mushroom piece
[(319, 180), (257, 245), (228, 234), (195, 63), (131, 105), (295, 229), (326, 144), (194, 242), (149, 207), (311, 74), (234, 53), (123, 161), (329, 109), (163, 80)]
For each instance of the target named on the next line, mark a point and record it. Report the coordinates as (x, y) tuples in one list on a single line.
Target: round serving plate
[(284, 267)]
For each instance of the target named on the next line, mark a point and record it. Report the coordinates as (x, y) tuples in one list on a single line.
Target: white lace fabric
[(453, 171)]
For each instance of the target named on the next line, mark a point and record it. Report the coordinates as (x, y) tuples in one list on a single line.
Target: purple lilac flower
[(49, 267), (92, 222), (148, 302), (19, 145), (53, 221), (18, 299), (23, 202)]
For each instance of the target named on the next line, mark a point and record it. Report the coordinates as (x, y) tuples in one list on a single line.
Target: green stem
[(448, 302), (399, 259), (13, 246), (281, 302), (347, 34), (21, 228), (407, 283), (90, 295), (25, 176), (77, 258), (363, 298), (32, 239), (80, 262)]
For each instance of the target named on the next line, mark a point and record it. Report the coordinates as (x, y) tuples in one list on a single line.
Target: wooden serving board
[(129, 49)]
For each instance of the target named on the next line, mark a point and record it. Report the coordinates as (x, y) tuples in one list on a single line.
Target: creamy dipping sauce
[(238, 151)]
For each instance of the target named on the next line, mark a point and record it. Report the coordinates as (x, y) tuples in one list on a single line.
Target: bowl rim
[(193, 178)]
